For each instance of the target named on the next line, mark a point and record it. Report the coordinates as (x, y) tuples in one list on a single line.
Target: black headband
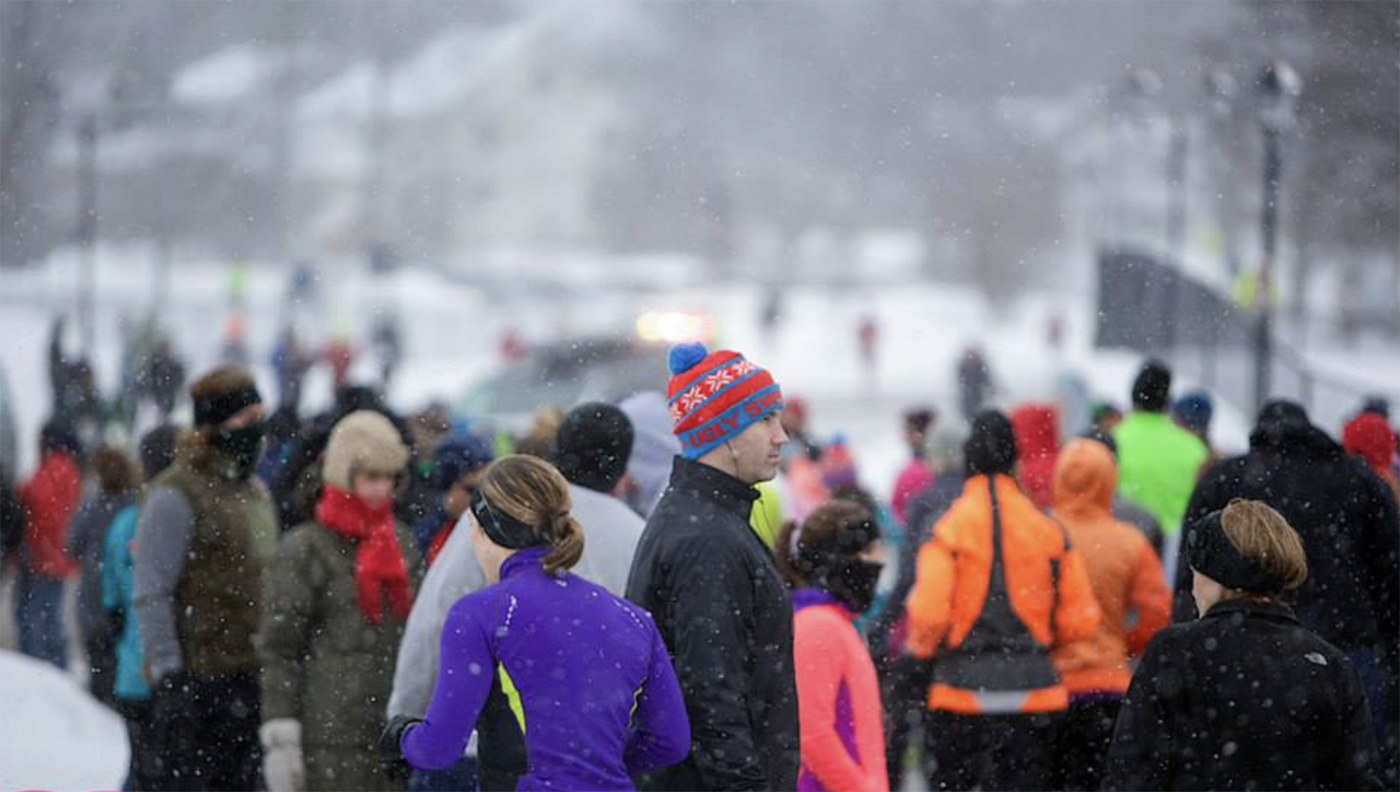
[(501, 528), (217, 409), (1212, 554)]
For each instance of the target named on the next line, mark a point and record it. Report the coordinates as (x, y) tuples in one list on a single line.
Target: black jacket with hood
[(1244, 698), (1344, 515), (722, 608)]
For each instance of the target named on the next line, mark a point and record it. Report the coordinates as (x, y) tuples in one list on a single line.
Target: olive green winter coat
[(323, 663)]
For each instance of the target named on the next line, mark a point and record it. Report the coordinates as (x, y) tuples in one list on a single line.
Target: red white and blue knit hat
[(714, 396)]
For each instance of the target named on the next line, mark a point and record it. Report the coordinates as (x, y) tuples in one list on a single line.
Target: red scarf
[(439, 541), (379, 567)]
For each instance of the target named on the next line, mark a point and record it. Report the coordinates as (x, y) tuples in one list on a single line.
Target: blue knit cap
[(458, 455), (1194, 410), (714, 396)]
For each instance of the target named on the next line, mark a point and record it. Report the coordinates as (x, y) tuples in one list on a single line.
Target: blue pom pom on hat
[(683, 357)]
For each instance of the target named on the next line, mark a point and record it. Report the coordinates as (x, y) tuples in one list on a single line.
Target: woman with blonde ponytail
[(584, 675)]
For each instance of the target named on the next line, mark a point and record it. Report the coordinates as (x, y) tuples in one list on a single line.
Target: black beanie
[(222, 393), (60, 436), (1379, 405), (593, 446), (158, 450), (991, 448), (1152, 388)]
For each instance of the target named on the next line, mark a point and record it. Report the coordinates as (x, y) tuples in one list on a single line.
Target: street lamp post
[(1278, 87), (98, 103), (1220, 92), (1174, 264), (87, 230)]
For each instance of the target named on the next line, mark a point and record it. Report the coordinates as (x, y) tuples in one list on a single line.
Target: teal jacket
[(117, 589), (1158, 464)]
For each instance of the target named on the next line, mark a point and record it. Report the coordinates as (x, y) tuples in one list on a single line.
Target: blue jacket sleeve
[(463, 682), (116, 561), (661, 731)]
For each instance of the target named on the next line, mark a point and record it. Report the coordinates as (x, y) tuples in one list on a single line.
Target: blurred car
[(563, 375)]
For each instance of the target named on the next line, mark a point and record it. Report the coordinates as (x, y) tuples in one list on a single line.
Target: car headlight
[(675, 326)]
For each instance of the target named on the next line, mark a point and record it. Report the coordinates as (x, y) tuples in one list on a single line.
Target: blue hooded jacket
[(117, 589)]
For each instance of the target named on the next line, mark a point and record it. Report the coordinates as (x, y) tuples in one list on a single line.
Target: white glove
[(284, 769)]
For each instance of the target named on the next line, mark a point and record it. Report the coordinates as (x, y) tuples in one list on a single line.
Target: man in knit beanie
[(713, 399), (712, 586)]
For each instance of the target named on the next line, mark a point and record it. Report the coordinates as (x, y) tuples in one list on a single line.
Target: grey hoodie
[(653, 447)]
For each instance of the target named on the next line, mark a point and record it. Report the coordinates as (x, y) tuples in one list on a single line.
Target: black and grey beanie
[(593, 446)]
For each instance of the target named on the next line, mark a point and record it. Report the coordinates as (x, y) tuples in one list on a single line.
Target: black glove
[(390, 752)]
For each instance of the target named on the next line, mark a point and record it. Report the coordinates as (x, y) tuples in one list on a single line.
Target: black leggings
[(1084, 741), (991, 752), (904, 689), (206, 732), (143, 771)]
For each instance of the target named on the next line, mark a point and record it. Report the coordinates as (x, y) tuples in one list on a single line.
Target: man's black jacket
[(725, 614)]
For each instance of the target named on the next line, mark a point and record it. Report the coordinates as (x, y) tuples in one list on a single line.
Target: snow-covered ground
[(53, 734)]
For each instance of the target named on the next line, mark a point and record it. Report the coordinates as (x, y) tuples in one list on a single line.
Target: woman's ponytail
[(565, 543), (532, 491)]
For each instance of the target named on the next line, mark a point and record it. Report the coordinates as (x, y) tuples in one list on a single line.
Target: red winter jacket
[(1369, 436), (1037, 428), (49, 498)]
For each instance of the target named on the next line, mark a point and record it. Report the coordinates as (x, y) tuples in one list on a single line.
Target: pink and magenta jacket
[(843, 736)]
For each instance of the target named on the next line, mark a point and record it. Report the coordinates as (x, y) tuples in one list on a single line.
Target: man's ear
[(625, 486)]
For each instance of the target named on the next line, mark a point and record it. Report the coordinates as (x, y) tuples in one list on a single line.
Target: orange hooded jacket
[(991, 658), (1126, 574)]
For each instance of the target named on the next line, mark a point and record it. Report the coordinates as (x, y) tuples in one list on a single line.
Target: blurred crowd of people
[(691, 589)]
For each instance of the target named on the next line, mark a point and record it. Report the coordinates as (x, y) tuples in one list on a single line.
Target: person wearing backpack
[(998, 586)]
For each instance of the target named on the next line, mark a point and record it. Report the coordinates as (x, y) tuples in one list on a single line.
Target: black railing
[(1161, 311)]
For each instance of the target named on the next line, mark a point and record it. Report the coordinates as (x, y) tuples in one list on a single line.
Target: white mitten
[(284, 769)]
